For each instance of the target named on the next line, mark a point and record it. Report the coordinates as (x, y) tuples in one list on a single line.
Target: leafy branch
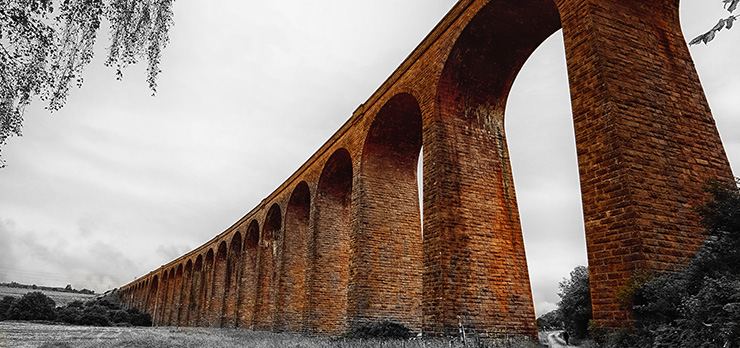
[(724, 23)]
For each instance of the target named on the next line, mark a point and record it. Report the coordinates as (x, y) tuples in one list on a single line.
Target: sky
[(119, 182)]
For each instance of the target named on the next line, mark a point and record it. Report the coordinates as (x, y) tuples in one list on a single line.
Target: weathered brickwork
[(341, 242)]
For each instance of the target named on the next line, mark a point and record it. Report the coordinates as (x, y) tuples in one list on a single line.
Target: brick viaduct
[(341, 243)]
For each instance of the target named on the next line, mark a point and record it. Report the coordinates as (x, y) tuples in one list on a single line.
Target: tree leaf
[(697, 40), (708, 37)]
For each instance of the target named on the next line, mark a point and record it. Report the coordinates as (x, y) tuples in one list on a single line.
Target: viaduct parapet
[(341, 242)]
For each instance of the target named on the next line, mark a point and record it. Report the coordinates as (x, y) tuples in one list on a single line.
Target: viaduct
[(341, 242)]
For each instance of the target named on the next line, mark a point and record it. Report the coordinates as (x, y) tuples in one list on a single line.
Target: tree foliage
[(698, 306), (724, 23), (46, 44), (575, 302), (32, 306)]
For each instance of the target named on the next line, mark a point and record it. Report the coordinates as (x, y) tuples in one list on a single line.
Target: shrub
[(32, 306), (5, 305), (137, 318), (700, 305), (95, 315), (384, 329)]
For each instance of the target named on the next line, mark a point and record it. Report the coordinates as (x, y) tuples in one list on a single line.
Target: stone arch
[(231, 287), (185, 297), (196, 294), (218, 287), (291, 296), (176, 297), (161, 308), (329, 248), (248, 283), (386, 246), (266, 267), (169, 299), (205, 318), (472, 224), (151, 303)]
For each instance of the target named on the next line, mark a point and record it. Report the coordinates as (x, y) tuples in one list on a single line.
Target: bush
[(32, 306), (69, 315), (95, 315), (5, 305), (137, 318), (384, 329), (700, 305)]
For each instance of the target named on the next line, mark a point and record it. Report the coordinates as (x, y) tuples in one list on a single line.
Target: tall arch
[(231, 287), (218, 287), (196, 294), (151, 303), (205, 316), (291, 296), (248, 286), (186, 297), (329, 248), (475, 266), (266, 262), (169, 299), (386, 243), (176, 306)]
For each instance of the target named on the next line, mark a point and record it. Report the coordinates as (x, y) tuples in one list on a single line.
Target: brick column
[(646, 140)]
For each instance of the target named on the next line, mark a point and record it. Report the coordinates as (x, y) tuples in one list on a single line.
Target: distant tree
[(46, 44), (728, 23), (575, 302), (552, 320), (33, 306)]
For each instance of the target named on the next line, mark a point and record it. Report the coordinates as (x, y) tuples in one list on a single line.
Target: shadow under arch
[(196, 293), (187, 288), (386, 246), (231, 286), (475, 271), (248, 282), (291, 296), (266, 262), (329, 247)]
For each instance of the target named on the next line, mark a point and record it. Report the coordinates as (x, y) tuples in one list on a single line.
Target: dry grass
[(35, 335)]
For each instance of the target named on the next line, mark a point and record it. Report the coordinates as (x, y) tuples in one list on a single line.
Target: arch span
[(329, 251), (386, 244), (291, 297)]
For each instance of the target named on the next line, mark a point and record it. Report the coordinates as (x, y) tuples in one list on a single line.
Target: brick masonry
[(340, 243)]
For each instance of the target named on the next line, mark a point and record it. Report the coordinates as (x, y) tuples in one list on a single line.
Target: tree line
[(104, 311)]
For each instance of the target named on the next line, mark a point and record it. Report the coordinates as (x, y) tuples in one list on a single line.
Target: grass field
[(35, 335), (60, 298)]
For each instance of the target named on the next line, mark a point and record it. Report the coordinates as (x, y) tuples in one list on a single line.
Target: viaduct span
[(341, 243)]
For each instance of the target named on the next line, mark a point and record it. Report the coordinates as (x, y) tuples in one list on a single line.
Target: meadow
[(15, 334)]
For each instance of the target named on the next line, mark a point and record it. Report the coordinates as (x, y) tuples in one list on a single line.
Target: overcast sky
[(118, 182)]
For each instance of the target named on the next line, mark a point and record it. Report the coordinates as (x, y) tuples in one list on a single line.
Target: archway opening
[(472, 237), (248, 283), (330, 247), (291, 295), (388, 247), (545, 167), (231, 287), (267, 251)]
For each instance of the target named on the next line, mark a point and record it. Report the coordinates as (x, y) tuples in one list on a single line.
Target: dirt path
[(554, 340)]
